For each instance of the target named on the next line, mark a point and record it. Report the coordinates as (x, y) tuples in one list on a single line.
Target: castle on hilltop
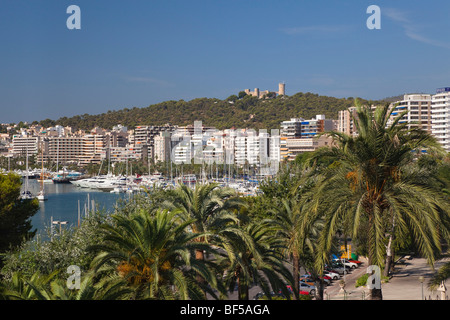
[(261, 94)]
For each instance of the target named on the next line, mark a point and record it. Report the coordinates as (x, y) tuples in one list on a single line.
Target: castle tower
[(281, 88)]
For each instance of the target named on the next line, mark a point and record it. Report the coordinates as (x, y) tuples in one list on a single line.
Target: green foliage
[(15, 214), (245, 111), (374, 188), (362, 281), (58, 253)]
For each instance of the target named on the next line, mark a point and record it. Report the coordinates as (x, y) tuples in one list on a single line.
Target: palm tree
[(371, 184), (208, 210), (259, 262), (155, 255), (290, 222), (21, 288), (49, 287)]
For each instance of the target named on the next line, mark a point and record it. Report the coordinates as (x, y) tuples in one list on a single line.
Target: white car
[(306, 287), (332, 275), (349, 264)]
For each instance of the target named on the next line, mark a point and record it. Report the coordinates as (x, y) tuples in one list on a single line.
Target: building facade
[(440, 117), (417, 109)]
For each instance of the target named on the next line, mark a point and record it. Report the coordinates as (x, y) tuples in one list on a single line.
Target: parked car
[(309, 280), (333, 275), (326, 280), (338, 268), (308, 288), (300, 292), (263, 296), (349, 264), (355, 261)]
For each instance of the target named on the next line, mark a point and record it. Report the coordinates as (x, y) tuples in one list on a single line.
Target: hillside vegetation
[(239, 112)]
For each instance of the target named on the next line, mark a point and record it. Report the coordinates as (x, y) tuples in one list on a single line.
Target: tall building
[(162, 147), (299, 135), (23, 145), (93, 149), (144, 138), (418, 107), (301, 128), (291, 128), (345, 122), (62, 150), (440, 117)]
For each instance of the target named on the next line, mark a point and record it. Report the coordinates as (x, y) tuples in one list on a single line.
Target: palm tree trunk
[(243, 292), (296, 274), (319, 287), (375, 294), (389, 253), (199, 255), (389, 258)]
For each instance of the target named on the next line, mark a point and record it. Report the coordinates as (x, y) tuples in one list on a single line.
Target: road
[(403, 285)]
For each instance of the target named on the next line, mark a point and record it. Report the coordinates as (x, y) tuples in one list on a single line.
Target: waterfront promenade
[(404, 284)]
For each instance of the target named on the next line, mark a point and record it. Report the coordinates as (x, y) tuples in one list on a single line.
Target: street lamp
[(60, 223), (421, 280)]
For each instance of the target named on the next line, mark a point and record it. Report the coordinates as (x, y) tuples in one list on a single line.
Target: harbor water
[(66, 202)]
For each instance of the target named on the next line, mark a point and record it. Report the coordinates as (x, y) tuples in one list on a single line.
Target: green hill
[(243, 112)]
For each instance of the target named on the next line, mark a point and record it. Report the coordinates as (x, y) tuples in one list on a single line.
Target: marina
[(72, 200), (68, 203)]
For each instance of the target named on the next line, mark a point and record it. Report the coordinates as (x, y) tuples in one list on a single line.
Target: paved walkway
[(403, 285)]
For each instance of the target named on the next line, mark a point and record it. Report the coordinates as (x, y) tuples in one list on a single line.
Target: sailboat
[(41, 195), (26, 194)]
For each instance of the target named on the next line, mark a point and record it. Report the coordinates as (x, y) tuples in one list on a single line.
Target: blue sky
[(136, 53)]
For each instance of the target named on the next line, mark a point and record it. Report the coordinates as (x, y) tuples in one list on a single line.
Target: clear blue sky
[(136, 53)]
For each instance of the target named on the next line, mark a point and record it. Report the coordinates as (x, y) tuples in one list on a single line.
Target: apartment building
[(93, 149), (162, 147), (299, 135), (302, 145), (251, 148), (62, 150), (143, 138), (120, 154), (345, 122), (301, 128), (418, 108), (440, 117), (23, 145)]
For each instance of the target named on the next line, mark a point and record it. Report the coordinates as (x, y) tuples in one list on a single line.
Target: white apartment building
[(240, 147), (214, 150), (23, 145), (418, 107), (162, 147), (440, 117), (251, 148)]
